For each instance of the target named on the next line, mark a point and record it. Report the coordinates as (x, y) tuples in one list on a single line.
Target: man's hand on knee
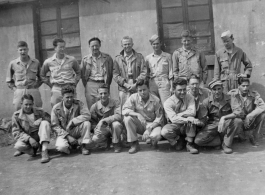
[(71, 140), (33, 143)]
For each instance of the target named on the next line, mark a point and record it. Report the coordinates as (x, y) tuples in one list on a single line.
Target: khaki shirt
[(24, 76), (227, 65), (67, 71), (178, 110), (159, 66), (97, 69), (21, 128), (253, 105), (203, 94), (78, 114), (152, 110), (186, 63), (111, 113)]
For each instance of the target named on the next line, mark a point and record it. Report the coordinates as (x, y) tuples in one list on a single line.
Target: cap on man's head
[(226, 33), (214, 83), (153, 38), (186, 33)]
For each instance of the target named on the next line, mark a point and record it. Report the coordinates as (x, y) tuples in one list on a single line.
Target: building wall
[(245, 19), (112, 21)]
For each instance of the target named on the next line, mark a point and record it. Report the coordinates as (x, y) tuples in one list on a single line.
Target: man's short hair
[(142, 82), (22, 44), (179, 81), (27, 97), (56, 41), (186, 33), (193, 76), (127, 38), (94, 39), (68, 89), (242, 80), (104, 86)]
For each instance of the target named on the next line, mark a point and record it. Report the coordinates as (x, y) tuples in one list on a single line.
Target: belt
[(159, 78), (25, 87), (97, 81)]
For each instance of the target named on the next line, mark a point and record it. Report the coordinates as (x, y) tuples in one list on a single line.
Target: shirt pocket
[(226, 110), (32, 73)]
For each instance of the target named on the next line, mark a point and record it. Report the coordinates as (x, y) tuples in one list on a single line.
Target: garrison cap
[(226, 33), (153, 38), (186, 33), (214, 83)]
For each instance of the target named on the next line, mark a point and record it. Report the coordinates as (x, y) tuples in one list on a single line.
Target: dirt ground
[(147, 172)]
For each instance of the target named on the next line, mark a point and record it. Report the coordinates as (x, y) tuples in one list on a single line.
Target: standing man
[(129, 66), (70, 120), (159, 70), (143, 114), (249, 108), (228, 63), (187, 60), (64, 70), (96, 68), (31, 128), (219, 124), (106, 119), (23, 76), (180, 109)]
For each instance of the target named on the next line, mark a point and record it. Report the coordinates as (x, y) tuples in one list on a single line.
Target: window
[(59, 21), (194, 15)]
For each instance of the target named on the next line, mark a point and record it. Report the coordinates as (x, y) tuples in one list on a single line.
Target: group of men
[(160, 96)]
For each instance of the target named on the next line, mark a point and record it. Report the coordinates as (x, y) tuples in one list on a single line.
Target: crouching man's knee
[(62, 145)]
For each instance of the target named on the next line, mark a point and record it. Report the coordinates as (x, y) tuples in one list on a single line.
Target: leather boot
[(226, 149), (45, 156), (180, 144), (84, 150), (154, 144), (134, 147), (117, 147), (190, 148), (18, 153)]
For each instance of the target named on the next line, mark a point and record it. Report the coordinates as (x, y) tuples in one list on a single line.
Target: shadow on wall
[(259, 88)]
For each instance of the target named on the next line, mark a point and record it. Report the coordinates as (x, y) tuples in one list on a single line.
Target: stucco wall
[(112, 21), (15, 25), (245, 19)]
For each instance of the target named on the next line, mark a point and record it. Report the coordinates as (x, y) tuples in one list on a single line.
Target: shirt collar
[(54, 57), (151, 98), (66, 109), (18, 61), (22, 115), (100, 106), (162, 54), (226, 97)]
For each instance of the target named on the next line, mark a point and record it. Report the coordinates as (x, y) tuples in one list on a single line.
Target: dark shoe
[(148, 141), (134, 147), (125, 144), (217, 147), (35, 150), (117, 147), (45, 156), (253, 141), (18, 153), (226, 149), (154, 144), (85, 151), (180, 144), (190, 148)]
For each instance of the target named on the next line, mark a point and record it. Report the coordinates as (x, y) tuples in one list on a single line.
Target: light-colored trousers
[(134, 127), (102, 134), (18, 93), (43, 135), (81, 133), (160, 87), (91, 92)]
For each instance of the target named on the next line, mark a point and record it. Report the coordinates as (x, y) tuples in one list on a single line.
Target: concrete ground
[(147, 172)]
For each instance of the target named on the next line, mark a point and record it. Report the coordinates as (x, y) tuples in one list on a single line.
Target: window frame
[(186, 21)]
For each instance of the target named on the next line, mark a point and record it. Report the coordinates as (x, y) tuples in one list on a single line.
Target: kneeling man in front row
[(70, 120), (220, 125), (143, 115), (31, 127), (106, 120)]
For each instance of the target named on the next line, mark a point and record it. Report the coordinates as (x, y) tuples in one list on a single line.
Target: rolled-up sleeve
[(260, 106)]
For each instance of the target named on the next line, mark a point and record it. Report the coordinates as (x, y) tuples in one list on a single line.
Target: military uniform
[(250, 110), (79, 115), (188, 62), (25, 79), (94, 72), (111, 113), (210, 113), (24, 127), (227, 65), (62, 72), (128, 69)]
